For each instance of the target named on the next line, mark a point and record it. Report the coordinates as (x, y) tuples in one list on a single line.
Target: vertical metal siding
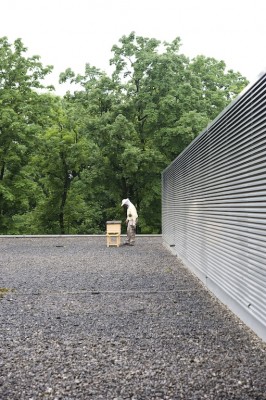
[(214, 203)]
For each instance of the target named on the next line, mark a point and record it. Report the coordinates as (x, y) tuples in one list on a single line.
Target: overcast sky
[(71, 33)]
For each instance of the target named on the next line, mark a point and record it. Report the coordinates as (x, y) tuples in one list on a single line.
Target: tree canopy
[(66, 162)]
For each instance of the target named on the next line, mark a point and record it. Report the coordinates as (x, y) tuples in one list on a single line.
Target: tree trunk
[(62, 206)]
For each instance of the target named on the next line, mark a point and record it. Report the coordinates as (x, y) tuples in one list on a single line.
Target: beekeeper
[(131, 221)]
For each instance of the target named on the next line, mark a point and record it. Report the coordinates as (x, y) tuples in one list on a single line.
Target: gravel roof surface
[(79, 320)]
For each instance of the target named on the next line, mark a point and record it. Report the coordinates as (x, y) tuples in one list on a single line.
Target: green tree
[(63, 157), (65, 163), (100, 100), (22, 111), (155, 104), (169, 99)]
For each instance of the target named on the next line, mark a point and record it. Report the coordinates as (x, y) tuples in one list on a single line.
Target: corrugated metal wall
[(214, 206)]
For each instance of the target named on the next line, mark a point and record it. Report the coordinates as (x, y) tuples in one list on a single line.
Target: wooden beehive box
[(113, 232)]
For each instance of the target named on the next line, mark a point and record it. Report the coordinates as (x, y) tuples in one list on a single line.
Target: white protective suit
[(132, 219)]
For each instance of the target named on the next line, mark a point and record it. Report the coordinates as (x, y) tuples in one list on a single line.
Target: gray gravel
[(83, 321)]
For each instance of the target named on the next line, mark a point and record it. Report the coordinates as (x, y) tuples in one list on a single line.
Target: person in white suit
[(131, 221)]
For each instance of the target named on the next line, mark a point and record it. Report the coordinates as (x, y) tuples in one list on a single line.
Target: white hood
[(126, 202)]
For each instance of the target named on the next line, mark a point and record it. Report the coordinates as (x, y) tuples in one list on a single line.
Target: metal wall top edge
[(248, 88)]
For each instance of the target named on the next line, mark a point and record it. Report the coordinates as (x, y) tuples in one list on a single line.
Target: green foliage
[(22, 112), (66, 163)]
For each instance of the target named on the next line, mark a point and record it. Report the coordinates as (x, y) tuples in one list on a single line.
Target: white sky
[(71, 33)]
